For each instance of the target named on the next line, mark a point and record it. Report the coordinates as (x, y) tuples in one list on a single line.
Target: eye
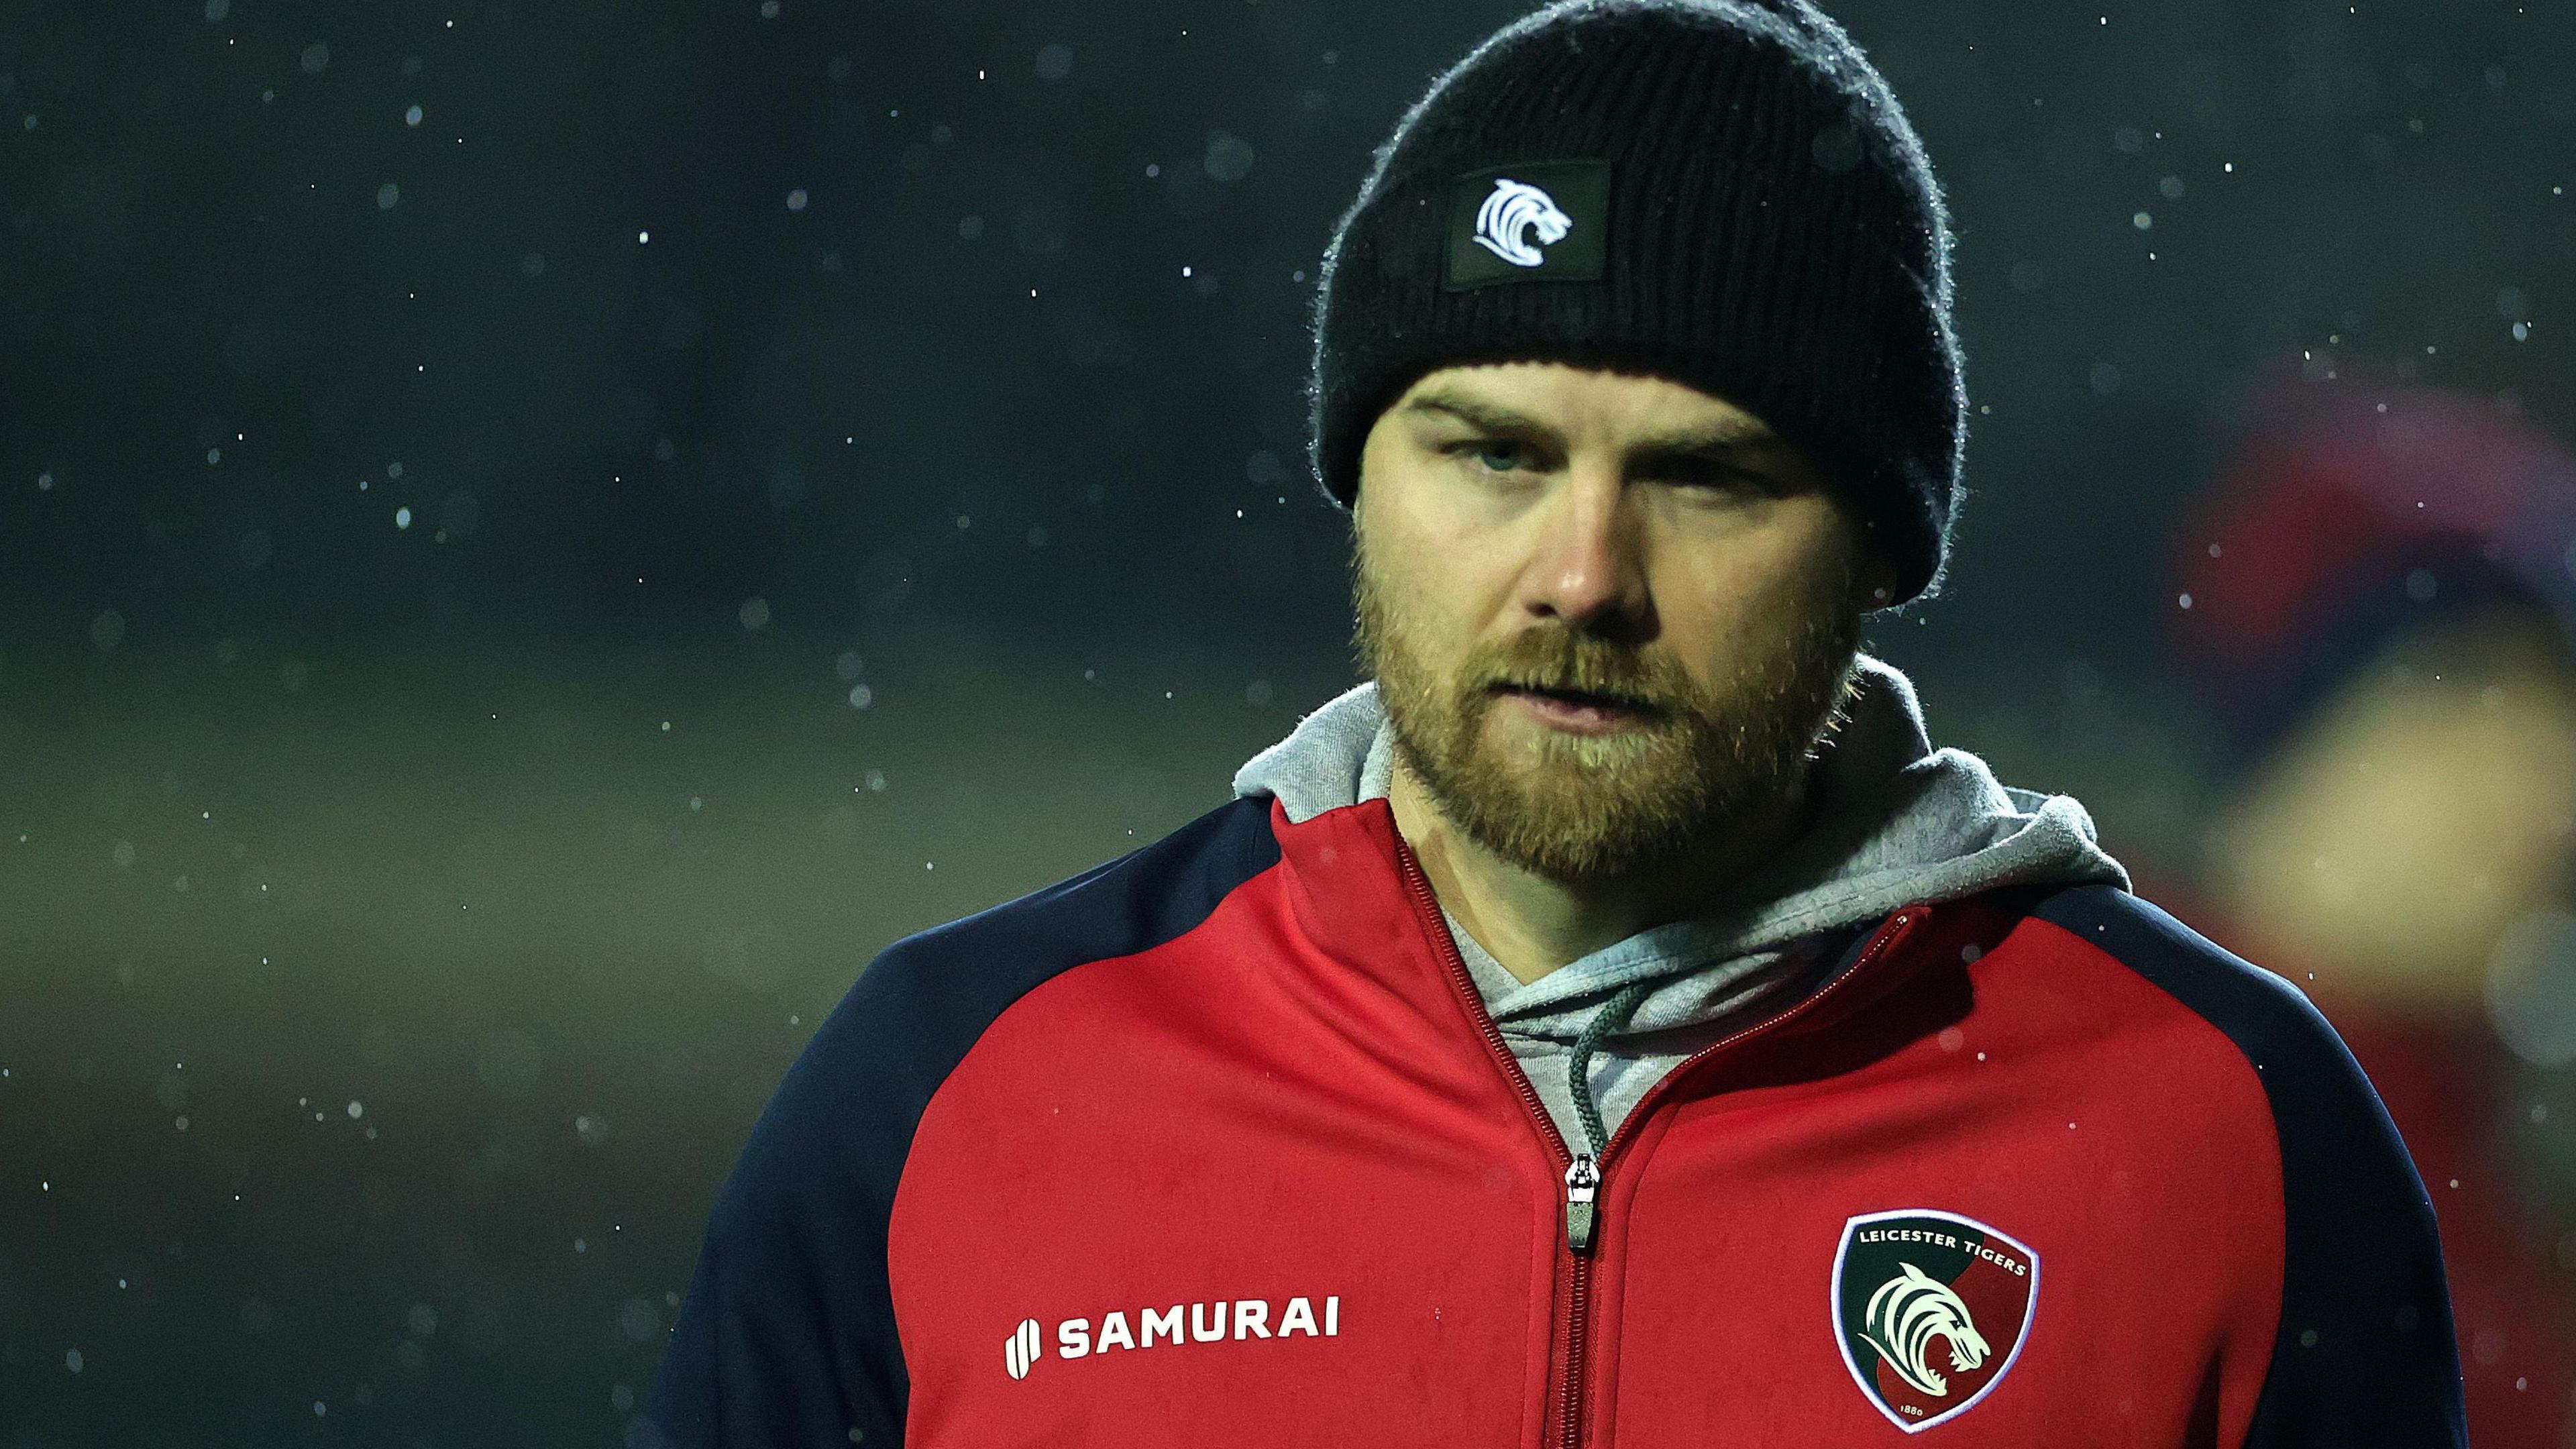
[(1497, 455), (1718, 477)]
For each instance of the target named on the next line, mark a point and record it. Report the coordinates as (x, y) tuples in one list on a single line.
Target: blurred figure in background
[(2379, 600)]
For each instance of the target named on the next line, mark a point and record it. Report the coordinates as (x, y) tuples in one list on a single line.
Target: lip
[(1581, 719)]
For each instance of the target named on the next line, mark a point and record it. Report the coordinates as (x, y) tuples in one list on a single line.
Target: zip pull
[(1582, 1184)]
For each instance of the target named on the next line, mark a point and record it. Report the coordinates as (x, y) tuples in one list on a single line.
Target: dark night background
[(535, 539)]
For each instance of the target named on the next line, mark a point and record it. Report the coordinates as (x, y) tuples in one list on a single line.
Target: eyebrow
[(1748, 435)]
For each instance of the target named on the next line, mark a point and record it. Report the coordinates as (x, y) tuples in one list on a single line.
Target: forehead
[(1571, 400)]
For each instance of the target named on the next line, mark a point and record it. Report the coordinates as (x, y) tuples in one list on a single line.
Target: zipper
[(1584, 1175), (1582, 1185)]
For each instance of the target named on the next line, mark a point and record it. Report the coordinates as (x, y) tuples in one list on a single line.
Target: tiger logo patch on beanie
[(1513, 209), (1542, 222)]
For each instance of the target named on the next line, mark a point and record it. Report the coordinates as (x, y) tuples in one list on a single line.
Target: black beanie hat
[(1719, 192)]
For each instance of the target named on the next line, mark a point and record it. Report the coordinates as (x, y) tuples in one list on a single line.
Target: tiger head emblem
[(1909, 1311), (1513, 209)]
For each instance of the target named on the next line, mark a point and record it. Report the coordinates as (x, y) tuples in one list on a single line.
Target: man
[(1613, 1022), (2384, 626)]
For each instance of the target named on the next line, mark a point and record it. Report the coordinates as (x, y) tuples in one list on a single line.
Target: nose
[(1586, 570)]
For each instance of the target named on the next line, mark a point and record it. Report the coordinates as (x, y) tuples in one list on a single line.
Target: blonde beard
[(1575, 808)]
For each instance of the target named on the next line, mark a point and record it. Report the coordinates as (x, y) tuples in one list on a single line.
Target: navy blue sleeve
[(787, 1337), (2365, 1352)]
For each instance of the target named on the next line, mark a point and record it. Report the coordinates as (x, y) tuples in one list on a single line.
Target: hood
[(1896, 821)]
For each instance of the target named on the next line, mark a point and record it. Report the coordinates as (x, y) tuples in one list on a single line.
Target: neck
[(1533, 925)]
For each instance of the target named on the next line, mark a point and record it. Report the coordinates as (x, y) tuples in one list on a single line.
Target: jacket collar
[(1899, 823)]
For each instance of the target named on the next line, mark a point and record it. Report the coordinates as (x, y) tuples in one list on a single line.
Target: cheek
[(1725, 599), (1432, 577), (1419, 605)]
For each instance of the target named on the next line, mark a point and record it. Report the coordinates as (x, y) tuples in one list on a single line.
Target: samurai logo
[(1021, 1350), (1916, 1295), (1515, 207)]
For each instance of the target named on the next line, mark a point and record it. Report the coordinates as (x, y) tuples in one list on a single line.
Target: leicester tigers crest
[(1931, 1309)]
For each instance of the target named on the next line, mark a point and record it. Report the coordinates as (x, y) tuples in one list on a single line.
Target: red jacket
[(1215, 1146)]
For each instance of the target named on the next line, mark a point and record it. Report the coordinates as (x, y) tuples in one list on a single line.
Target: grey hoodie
[(1896, 821)]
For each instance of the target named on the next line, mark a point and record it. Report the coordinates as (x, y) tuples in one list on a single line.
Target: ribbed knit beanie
[(1719, 192)]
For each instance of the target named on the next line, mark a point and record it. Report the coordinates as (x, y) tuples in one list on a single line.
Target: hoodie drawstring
[(1613, 1015), (1583, 1176)]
